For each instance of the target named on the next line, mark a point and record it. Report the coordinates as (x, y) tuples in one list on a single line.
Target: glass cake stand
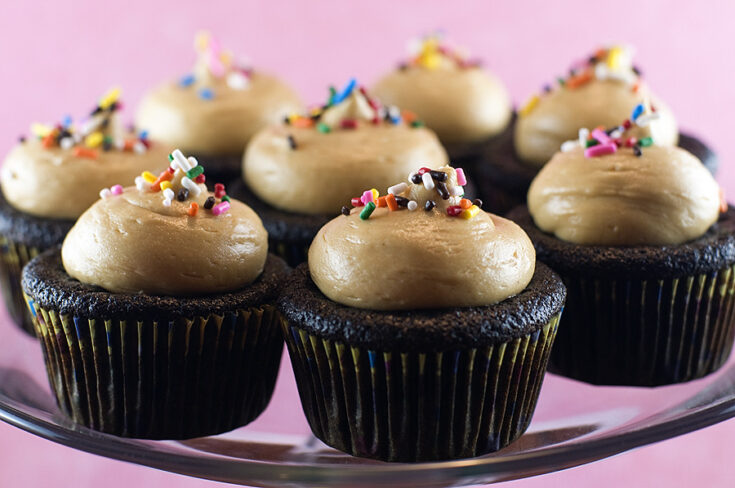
[(574, 424)]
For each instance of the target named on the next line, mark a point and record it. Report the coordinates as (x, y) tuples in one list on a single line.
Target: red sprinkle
[(424, 170), (630, 142), (219, 190), (349, 124), (627, 124), (454, 210), (356, 202), (201, 178)]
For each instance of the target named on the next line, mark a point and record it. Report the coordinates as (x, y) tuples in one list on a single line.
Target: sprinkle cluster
[(216, 62), (601, 141), (93, 134), (431, 52), (614, 63), (373, 113), (398, 197), (179, 181)]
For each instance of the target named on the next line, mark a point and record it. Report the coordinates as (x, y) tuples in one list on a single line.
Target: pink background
[(57, 58)]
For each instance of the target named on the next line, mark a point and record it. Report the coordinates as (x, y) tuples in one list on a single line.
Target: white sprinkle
[(398, 189), (410, 176), (428, 181), (66, 143), (119, 144), (645, 119), (169, 194), (181, 160), (616, 134), (193, 161), (105, 193), (193, 188), (584, 134), (454, 200), (141, 184), (394, 112), (412, 205), (139, 147), (456, 191), (601, 71), (166, 202), (569, 145), (237, 81)]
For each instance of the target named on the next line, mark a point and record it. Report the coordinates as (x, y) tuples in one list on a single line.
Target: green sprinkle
[(590, 143), (194, 172), (323, 128), (417, 123), (225, 198), (170, 157), (645, 142), (332, 94), (561, 81), (367, 211)]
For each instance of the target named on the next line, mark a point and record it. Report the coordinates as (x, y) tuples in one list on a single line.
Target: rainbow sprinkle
[(612, 63), (94, 134), (601, 141), (398, 197)]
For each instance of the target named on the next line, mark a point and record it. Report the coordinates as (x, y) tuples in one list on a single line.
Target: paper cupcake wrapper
[(294, 253), (13, 256), (645, 333), (177, 379), (397, 406)]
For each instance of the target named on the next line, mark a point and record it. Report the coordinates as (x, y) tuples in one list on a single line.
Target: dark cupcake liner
[(161, 379), (414, 406), (220, 168), (645, 332), (13, 256), (503, 179)]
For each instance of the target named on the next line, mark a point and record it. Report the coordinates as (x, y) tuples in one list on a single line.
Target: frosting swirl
[(217, 109), (139, 239), (456, 98), (600, 92), (403, 260), (315, 164), (665, 196), (59, 173)]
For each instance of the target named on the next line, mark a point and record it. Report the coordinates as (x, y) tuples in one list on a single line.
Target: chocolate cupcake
[(157, 317), (646, 247), (467, 106), (600, 91), (298, 173), (214, 111), (420, 330), (49, 179)]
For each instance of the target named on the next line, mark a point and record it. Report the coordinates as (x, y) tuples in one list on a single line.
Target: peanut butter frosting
[(456, 98), (314, 164), (167, 236), (417, 249), (217, 109), (665, 196), (60, 171), (600, 92)]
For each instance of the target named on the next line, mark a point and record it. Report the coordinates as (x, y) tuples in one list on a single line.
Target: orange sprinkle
[(84, 152), (302, 122), (390, 200), (636, 86), (723, 202), (579, 79), (193, 208), (129, 144), (408, 116), (165, 175), (464, 203), (48, 139), (382, 202), (600, 54)]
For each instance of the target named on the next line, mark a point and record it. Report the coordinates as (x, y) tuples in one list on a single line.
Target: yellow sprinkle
[(148, 176), (376, 194), (201, 41), (430, 60), (94, 139), (614, 57), (40, 130), (109, 98), (226, 58), (165, 185), (468, 213), (529, 106)]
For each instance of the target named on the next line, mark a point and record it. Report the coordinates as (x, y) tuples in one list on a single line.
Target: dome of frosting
[(313, 163), (609, 187), (217, 108), (167, 235), (456, 98), (59, 171), (421, 245), (599, 91)]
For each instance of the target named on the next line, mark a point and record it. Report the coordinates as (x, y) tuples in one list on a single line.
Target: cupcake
[(49, 179), (646, 247), (420, 330), (297, 173), (214, 111), (600, 91), (157, 316), (467, 106)]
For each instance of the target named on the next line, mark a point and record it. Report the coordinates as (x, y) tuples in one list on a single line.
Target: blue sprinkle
[(187, 80), (637, 111), (206, 94), (395, 120), (371, 359), (66, 121), (346, 92), (143, 135)]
